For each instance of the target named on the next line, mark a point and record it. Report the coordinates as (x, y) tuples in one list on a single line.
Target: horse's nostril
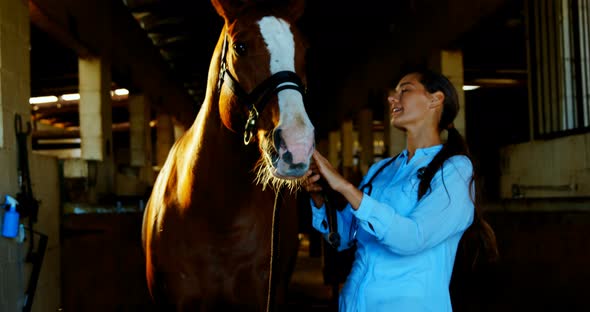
[(288, 157)]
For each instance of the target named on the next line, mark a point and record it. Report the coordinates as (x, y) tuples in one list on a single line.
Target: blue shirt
[(405, 248)]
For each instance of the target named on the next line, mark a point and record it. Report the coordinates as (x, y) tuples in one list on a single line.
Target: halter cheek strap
[(257, 99)]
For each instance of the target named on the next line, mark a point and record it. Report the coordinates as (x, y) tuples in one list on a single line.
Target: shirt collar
[(430, 150)]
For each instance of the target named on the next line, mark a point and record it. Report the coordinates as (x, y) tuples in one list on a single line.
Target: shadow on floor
[(307, 291)]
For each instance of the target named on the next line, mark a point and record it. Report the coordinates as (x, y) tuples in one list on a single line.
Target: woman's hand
[(311, 185), (336, 181)]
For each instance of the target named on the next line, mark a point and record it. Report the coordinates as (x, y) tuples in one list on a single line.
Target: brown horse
[(208, 226)]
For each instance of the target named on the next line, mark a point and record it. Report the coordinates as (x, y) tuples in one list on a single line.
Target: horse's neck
[(211, 161), (217, 146)]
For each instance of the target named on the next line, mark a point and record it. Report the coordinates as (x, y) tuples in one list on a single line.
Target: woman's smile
[(397, 109)]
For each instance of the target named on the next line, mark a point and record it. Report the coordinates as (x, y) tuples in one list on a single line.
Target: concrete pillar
[(96, 123), (347, 147), (366, 139), (140, 137), (139, 128), (14, 99), (164, 138), (15, 88), (450, 64), (347, 143), (334, 148)]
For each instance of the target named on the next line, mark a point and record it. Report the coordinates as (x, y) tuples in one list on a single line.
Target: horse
[(233, 176)]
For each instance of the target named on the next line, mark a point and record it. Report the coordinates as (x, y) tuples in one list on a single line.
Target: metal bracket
[(250, 125)]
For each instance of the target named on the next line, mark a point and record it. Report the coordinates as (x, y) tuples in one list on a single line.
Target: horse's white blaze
[(279, 41), (293, 118)]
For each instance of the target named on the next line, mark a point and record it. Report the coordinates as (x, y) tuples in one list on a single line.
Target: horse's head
[(261, 83)]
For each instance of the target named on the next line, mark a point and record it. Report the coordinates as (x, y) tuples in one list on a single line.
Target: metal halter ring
[(250, 125)]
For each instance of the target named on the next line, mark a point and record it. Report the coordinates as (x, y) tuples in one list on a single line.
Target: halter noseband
[(260, 95)]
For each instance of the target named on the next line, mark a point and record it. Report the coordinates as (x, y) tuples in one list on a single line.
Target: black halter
[(260, 96)]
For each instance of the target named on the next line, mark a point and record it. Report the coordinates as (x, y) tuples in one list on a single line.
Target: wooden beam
[(45, 23)]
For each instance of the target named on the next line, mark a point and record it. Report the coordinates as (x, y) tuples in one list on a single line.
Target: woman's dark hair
[(480, 230)]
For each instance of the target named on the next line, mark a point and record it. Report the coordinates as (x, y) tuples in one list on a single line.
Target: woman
[(410, 213)]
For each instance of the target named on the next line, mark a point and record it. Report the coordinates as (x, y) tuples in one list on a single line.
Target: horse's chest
[(233, 239)]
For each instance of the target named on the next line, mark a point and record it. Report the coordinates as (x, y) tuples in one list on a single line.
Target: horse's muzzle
[(294, 154)]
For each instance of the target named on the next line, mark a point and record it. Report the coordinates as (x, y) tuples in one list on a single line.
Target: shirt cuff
[(319, 217)]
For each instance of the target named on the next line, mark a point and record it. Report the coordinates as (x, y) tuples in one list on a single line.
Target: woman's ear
[(437, 99)]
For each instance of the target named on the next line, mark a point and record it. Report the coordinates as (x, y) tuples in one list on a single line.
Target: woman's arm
[(446, 210), (317, 202), (343, 220)]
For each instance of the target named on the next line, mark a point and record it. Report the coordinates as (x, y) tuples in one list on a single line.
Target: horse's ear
[(228, 9), (295, 9)]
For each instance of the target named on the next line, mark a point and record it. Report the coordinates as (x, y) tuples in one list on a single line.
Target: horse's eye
[(240, 48)]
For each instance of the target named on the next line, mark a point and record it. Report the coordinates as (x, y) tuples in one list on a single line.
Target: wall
[(14, 95), (45, 180), (14, 90), (543, 265), (105, 263), (557, 168)]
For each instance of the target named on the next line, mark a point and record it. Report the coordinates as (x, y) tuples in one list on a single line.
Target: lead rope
[(274, 240)]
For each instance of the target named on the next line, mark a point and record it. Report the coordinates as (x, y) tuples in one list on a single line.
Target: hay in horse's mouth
[(268, 175)]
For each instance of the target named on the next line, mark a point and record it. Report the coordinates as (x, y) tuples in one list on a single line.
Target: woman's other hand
[(311, 185)]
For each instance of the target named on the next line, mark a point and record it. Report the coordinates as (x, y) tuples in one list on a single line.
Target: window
[(559, 53)]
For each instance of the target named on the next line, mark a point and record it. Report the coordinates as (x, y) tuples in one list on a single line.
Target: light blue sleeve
[(319, 218), (444, 211), (343, 218)]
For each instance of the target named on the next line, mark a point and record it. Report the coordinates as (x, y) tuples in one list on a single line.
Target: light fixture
[(470, 87), (121, 92), (43, 99), (59, 141), (497, 81), (70, 97)]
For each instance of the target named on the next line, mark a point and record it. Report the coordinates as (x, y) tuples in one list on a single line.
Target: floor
[(308, 291), (543, 266)]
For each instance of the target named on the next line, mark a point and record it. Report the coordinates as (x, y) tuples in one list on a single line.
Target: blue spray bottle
[(10, 225)]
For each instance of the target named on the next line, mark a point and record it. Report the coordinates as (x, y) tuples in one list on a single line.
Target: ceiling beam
[(109, 30), (57, 31)]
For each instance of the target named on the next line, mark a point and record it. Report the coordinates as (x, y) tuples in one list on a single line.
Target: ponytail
[(455, 145), (479, 233), (479, 237)]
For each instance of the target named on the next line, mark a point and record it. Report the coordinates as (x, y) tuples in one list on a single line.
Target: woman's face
[(410, 104)]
